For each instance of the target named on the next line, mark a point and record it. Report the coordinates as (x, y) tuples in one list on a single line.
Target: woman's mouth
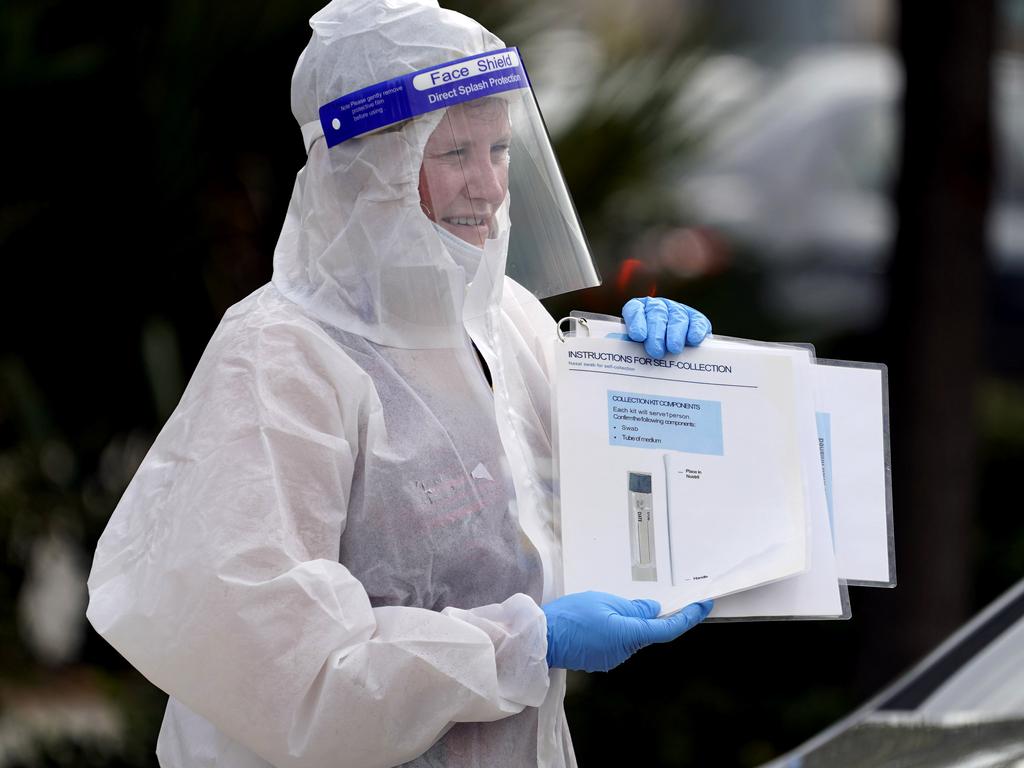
[(472, 229), (465, 221)]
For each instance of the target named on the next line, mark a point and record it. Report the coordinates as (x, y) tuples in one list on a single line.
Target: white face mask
[(466, 255)]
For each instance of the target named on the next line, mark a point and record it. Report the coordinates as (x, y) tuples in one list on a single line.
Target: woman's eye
[(455, 153), (501, 149)]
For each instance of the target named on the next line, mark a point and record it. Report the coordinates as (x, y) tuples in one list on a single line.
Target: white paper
[(733, 551), (817, 593), (851, 411), (728, 504)]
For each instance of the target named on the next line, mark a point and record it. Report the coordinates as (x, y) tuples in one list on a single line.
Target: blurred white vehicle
[(962, 706), (801, 177)]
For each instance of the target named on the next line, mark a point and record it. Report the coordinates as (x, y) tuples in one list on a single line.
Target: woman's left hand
[(663, 324)]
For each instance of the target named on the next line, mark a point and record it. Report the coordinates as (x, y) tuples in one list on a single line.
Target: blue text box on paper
[(665, 423)]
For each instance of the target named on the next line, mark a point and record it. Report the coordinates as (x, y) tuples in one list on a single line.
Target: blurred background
[(844, 172)]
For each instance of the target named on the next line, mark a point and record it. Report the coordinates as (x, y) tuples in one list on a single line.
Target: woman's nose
[(485, 180)]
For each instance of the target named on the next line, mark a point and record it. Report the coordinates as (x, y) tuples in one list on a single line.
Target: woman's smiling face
[(464, 176)]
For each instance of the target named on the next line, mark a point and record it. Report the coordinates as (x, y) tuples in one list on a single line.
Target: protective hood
[(356, 250)]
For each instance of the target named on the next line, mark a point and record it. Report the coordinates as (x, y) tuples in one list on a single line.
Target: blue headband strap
[(400, 98)]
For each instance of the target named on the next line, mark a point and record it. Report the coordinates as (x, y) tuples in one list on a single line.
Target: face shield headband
[(475, 161)]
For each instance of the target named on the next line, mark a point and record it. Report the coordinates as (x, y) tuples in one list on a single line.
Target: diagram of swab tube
[(641, 527)]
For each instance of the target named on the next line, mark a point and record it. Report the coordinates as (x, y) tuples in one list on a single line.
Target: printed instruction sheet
[(680, 479)]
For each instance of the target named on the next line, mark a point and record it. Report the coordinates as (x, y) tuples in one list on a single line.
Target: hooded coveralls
[(334, 552)]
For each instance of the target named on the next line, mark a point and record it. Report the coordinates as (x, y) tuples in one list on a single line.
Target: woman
[(337, 549)]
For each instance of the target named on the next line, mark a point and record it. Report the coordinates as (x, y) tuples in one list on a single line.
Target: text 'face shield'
[(488, 168)]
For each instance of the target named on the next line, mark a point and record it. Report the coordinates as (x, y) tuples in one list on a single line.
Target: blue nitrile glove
[(595, 631), (663, 323)]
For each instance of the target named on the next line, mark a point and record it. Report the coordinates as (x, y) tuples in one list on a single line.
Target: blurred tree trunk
[(936, 310)]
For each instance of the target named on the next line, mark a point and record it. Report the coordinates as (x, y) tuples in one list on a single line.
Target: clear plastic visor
[(488, 166), (488, 169)]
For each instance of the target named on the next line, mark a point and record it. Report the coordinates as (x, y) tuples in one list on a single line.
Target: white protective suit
[(334, 553)]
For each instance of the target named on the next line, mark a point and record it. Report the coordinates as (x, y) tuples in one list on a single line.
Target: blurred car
[(801, 178), (961, 706)]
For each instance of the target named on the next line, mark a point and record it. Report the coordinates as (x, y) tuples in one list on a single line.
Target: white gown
[(335, 550)]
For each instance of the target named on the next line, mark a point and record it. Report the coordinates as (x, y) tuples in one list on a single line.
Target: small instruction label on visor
[(392, 101), (666, 423)]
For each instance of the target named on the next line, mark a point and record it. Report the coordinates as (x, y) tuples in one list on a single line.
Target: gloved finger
[(642, 609), (636, 321), (699, 329), (671, 627), (657, 323), (678, 325)]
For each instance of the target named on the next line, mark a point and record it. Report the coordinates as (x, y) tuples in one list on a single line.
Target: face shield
[(488, 170)]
